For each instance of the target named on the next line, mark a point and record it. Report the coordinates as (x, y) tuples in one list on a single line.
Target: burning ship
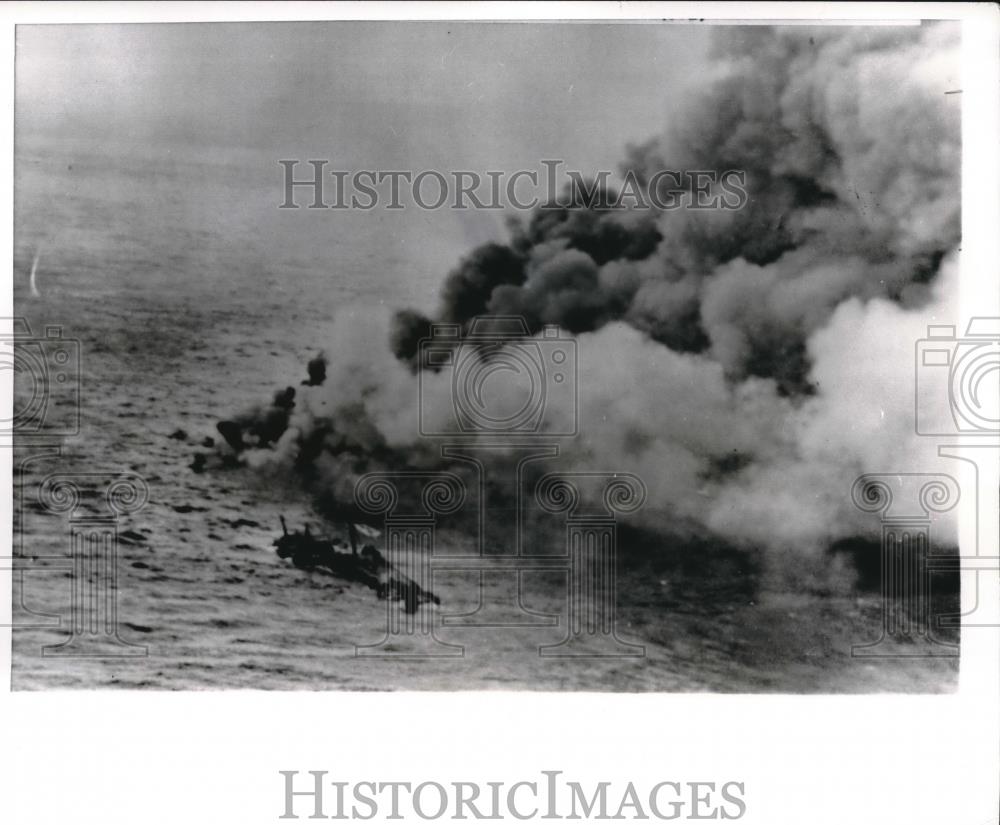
[(369, 567)]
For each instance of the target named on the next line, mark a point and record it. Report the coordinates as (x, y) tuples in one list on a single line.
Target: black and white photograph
[(500, 411), (491, 355)]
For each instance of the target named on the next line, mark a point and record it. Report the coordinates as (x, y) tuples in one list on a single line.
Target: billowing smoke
[(851, 155), (747, 364)]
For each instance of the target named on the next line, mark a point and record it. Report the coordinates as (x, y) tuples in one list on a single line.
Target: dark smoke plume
[(853, 191)]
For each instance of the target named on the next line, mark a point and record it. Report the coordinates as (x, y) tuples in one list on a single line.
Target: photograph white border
[(213, 756)]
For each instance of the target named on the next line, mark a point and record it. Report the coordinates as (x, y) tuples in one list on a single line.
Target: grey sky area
[(480, 95)]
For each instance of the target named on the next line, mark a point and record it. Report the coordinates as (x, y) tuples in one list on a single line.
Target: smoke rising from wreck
[(748, 365)]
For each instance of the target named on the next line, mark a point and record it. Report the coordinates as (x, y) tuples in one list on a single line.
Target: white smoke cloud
[(861, 420), (666, 416)]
